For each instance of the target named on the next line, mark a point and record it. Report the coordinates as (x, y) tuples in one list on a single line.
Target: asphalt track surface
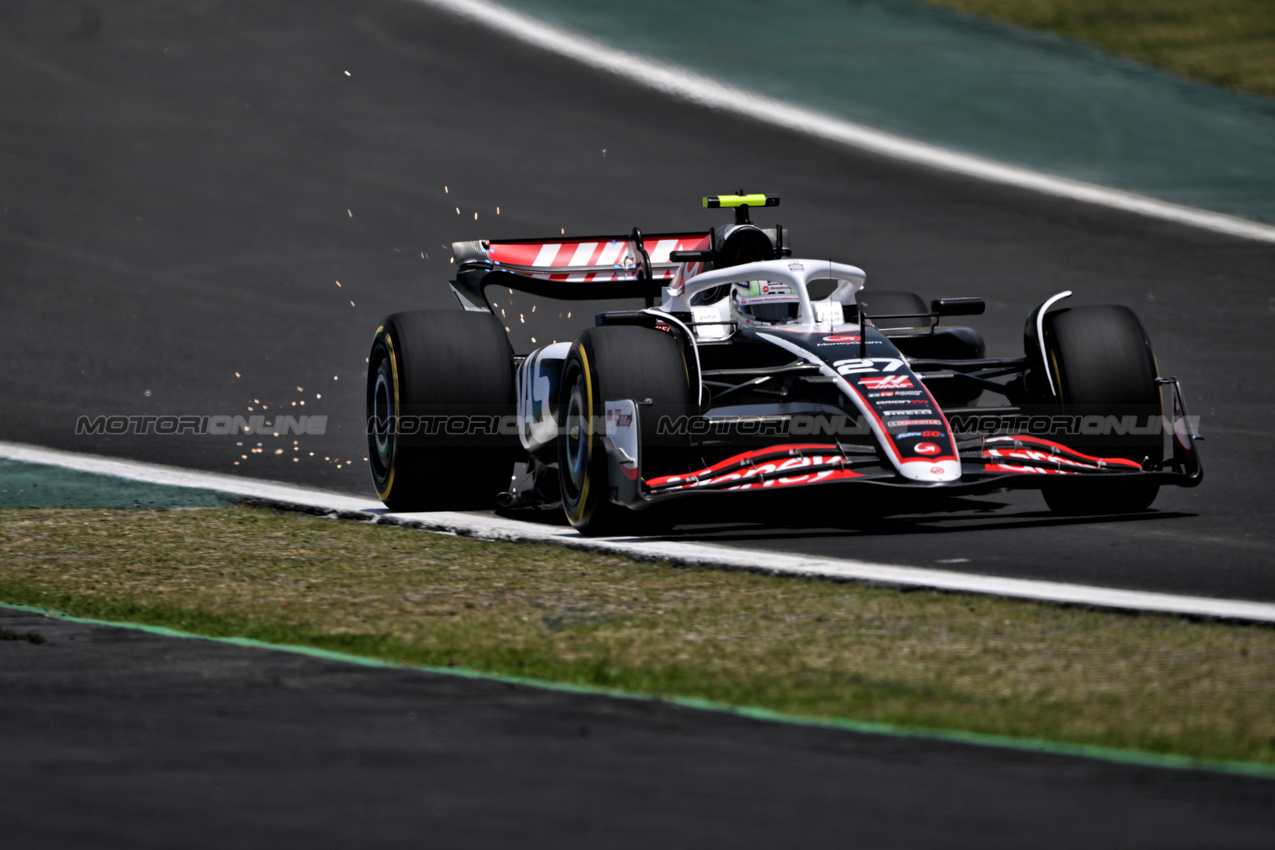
[(182, 184), (207, 745)]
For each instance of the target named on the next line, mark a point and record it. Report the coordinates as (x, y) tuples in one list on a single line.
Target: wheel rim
[(382, 415), (577, 439)]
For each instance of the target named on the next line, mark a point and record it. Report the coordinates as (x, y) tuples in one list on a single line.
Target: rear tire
[(617, 362), (440, 394), (1102, 364)]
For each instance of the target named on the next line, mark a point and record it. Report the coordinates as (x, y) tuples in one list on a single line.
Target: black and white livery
[(739, 371)]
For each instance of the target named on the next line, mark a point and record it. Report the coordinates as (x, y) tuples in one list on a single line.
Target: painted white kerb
[(687, 85), (486, 527)]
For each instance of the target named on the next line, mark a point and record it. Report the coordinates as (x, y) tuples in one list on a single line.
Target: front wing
[(987, 465)]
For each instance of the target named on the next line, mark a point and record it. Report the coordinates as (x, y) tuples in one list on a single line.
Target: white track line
[(691, 554), (687, 85)]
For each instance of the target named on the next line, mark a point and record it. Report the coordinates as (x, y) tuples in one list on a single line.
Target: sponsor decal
[(909, 434), (897, 423), (776, 298), (926, 449), (931, 433), (859, 365), (893, 382), (845, 339), (618, 418), (937, 470), (796, 267), (918, 412)]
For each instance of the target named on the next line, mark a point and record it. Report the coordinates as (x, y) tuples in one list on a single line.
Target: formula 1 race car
[(758, 373)]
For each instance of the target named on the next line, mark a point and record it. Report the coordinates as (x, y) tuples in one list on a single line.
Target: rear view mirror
[(957, 306)]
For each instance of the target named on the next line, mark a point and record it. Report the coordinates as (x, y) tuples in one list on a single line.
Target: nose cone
[(931, 470)]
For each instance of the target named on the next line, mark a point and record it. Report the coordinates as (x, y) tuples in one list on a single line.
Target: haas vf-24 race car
[(737, 370)]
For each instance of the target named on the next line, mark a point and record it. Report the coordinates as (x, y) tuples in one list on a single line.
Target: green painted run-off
[(1030, 99), (37, 485)]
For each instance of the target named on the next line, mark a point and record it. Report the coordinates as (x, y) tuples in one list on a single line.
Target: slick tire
[(618, 362), (1102, 364), (440, 404)]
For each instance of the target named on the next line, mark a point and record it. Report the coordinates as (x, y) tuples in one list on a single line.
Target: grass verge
[(820, 649), (1229, 43)]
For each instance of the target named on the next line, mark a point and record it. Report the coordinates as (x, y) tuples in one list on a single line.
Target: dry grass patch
[(806, 647), (1226, 42)]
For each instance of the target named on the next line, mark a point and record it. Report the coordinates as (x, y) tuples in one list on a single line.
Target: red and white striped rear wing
[(585, 268)]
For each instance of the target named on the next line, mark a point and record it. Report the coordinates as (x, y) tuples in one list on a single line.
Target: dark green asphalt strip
[(1115, 755), (1031, 99), (35, 485)]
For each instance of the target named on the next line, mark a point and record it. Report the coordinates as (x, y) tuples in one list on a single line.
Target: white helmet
[(765, 302)]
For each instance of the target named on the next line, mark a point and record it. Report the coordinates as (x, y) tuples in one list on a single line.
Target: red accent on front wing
[(1054, 453), (775, 461), (1027, 470), (1026, 438)]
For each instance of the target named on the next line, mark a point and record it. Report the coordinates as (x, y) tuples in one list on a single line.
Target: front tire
[(1102, 364), (440, 395), (617, 362)]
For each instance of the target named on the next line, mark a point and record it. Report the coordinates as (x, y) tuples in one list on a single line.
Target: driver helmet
[(765, 302)]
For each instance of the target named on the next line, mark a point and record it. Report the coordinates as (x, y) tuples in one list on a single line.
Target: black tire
[(1102, 364), (427, 369), (895, 303), (617, 362)]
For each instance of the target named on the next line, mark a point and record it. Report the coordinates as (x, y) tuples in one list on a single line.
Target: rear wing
[(579, 268)]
